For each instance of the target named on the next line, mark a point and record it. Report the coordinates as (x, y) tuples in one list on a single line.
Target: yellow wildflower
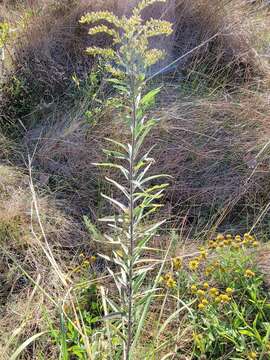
[(211, 244), (208, 270), (238, 238), (255, 244), (86, 263), (206, 285), (193, 289), (229, 291), (251, 238), (252, 355), (200, 292), (171, 283), (249, 273), (225, 298), (201, 306), (167, 276), (213, 292), (220, 237), (204, 302), (193, 265), (203, 254), (177, 263)]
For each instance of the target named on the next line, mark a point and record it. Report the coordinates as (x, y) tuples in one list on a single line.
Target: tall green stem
[(131, 225)]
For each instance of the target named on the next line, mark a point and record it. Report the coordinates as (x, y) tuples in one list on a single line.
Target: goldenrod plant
[(128, 62)]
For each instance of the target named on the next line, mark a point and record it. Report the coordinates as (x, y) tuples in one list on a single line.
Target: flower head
[(201, 306), (213, 292), (193, 265), (252, 355), (224, 298), (177, 263), (220, 237), (171, 283), (206, 285), (249, 273), (204, 302), (200, 292), (229, 291)]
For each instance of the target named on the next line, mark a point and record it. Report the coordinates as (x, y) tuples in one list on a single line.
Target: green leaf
[(149, 99)]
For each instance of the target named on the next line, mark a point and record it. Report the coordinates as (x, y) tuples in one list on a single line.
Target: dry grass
[(231, 55), (209, 145), (23, 261)]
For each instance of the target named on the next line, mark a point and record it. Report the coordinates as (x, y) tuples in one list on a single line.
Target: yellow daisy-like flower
[(214, 292), (205, 302), (203, 254), (193, 289), (252, 355), (238, 238), (201, 306), (177, 263), (86, 263), (171, 283), (208, 270), (220, 237), (255, 244), (225, 298), (249, 273), (229, 291), (206, 285), (211, 244), (218, 299), (193, 265), (200, 292), (167, 276)]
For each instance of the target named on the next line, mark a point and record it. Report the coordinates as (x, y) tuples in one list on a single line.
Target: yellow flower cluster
[(177, 263), (131, 50), (206, 294), (195, 263), (234, 242), (249, 273), (168, 280), (85, 262)]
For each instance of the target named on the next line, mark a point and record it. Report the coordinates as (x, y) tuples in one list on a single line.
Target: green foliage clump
[(229, 304)]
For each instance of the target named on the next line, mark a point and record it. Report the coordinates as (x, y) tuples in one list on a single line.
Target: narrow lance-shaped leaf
[(116, 203)]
